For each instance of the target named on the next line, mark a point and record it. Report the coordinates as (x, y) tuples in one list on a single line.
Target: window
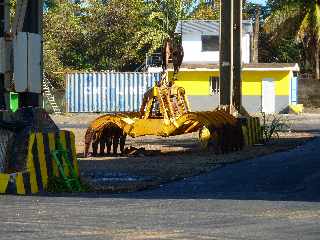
[(214, 85), (210, 43)]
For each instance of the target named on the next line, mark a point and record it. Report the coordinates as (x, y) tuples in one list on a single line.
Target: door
[(268, 95), (294, 90)]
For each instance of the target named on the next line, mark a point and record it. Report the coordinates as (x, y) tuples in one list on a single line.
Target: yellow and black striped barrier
[(15, 183), (39, 163), (252, 131)]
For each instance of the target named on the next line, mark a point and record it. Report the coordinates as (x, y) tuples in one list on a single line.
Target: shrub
[(273, 124)]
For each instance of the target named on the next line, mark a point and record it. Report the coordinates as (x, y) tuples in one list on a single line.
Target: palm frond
[(278, 20), (304, 28), (310, 25), (317, 20)]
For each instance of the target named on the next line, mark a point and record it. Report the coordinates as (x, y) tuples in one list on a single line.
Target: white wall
[(246, 48), (193, 54), (192, 47)]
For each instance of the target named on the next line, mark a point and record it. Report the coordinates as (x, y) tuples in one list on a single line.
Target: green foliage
[(159, 22), (249, 11), (95, 37), (61, 31), (286, 50), (207, 11), (297, 21), (110, 30)]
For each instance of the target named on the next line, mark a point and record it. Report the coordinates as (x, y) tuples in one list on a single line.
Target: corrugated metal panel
[(107, 91), (209, 27)]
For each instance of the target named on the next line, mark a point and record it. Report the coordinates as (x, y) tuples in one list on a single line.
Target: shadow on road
[(270, 178), (284, 176)]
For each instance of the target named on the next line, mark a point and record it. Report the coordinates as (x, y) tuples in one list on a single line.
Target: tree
[(286, 50), (210, 10), (159, 22), (61, 32), (207, 11), (95, 36), (112, 34), (301, 20), (110, 28)]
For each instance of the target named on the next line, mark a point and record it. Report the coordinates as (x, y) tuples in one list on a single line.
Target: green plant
[(64, 182), (272, 124), (59, 185)]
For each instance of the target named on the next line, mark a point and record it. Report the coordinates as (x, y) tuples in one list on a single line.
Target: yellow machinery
[(165, 112)]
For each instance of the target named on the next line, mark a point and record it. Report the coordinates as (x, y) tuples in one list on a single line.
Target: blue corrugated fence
[(107, 91)]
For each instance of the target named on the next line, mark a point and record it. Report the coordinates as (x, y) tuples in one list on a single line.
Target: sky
[(258, 1)]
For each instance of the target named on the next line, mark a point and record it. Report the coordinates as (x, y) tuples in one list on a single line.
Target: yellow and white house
[(265, 87)]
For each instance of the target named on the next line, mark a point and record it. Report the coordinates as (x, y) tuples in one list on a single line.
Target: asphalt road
[(271, 197)]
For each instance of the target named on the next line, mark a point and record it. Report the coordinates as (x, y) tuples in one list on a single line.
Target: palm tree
[(161, 18), (301, 19)]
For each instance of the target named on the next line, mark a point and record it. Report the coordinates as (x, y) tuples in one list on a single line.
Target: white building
[(200, 40)]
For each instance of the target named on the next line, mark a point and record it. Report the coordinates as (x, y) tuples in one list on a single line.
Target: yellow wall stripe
[(20, 184), (197, 83), (42, 160), (4, 180), (30, 165)]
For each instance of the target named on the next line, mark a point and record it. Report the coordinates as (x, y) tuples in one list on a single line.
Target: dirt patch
[(163, 159), (312, 110)]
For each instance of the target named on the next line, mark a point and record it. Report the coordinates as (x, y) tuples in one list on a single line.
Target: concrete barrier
[(39, 164), (15, 183)]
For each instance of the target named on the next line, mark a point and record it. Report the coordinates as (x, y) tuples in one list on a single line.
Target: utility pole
[(237, 54), (226, 52), (4, 51), (230, 53), (21, 52)]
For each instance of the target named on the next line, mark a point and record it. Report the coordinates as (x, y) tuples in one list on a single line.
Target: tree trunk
[(317, 61)]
